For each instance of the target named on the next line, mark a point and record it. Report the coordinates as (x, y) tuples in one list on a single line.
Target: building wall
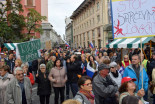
[(44, 9), (37, 6), (88, 24)]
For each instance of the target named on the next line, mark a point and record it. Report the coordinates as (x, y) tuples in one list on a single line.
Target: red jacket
[(30, 76)]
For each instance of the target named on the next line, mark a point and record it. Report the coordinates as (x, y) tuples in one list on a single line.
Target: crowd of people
[(93, 76)]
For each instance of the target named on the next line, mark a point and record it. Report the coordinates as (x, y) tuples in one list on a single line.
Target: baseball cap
[(103, 66), (127, 79)]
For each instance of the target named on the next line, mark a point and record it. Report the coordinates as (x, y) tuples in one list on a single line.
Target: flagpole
[(141, 61)]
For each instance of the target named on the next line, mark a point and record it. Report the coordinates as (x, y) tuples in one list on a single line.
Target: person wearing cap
[(104, 87), (128, 88), (114, 74), (135, 71)]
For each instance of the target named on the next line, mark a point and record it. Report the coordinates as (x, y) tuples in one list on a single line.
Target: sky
[(58, 10)]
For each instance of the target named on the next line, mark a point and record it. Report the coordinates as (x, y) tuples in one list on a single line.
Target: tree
[(34, 20), (11, 22)]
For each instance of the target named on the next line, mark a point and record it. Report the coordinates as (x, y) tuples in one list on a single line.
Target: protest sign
[(133, 18), (48, 45), (28, 51)]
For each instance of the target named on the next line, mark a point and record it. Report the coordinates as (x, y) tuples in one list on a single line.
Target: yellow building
[(92, 23)]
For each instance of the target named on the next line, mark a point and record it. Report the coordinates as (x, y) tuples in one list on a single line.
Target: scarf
[(4, 77), (89, 95), (115, 74)]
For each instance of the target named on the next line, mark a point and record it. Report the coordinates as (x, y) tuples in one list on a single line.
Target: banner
[(28, 51), (133, 18)]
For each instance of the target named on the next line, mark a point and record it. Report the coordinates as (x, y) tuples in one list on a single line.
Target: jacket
[(49, 66), (3, 84), (153, 79), (124, 94), (11, 64), (30, 76), (82, 98), (14, 94), (44, 86), (104, 89), (73, 69), (117, 80), (59, 75), (129, 71)]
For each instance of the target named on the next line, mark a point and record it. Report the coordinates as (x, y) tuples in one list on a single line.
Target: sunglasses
[(89, 84)]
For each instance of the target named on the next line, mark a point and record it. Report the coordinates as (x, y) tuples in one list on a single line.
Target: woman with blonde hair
[(71, 101), (18, 63)]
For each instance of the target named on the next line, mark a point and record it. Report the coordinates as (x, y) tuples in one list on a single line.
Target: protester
[(114, 74), (83, 65), (126, 62), (145, 62), (71, 101), (58, 76), (5, 79), (44, 87), (92, 66), (44, 60), (135, 71), (73, 69), (85, 94), (120, 68), (2, 62), (18, 63), (19, 90), (128, 87), (104, 87), (50, 63), (131, 100), (153, 84), (10, 61), (25, 67)]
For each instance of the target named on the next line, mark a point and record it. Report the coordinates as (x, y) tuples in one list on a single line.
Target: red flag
[(0, 49)]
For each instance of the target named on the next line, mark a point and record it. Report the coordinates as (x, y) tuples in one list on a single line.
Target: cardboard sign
[(133, 18), (28, 51), (48, 45)]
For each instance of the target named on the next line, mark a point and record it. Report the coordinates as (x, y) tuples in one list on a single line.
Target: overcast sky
[(58, 10)]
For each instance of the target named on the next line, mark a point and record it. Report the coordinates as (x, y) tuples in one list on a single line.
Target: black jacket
[(73, 69), (10, 63), (44, 86)]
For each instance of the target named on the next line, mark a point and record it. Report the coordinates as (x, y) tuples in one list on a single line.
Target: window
[(84, 36), (98, 18), (93, 20), (98, 6), (88, 43), (98, 32), (94, 43), (29, 2), (88, 35), (93, 33)]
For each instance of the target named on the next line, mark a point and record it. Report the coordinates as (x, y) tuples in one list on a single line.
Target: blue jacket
[(129, 71)]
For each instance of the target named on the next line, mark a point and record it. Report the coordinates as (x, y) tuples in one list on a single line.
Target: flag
[(91, 45), (0, 49), (96, 52), (90, 71), (67, 45)]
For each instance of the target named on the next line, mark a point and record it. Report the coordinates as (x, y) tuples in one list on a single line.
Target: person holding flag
[(83, 65)]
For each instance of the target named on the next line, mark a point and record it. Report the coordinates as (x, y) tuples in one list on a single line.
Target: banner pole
[(141, 61)]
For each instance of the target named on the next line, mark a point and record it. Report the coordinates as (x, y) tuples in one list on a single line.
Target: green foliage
[(34, 20), (13, 23)]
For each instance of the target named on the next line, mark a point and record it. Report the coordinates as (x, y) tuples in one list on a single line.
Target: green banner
[(29, 50)]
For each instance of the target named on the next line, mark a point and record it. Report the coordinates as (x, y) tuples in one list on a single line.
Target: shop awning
[(10, 46), (128, 42)]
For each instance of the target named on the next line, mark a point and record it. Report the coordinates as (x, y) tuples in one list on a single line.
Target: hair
[(123, 87), (56, 62), (105, 54), (42, 66), (90, 61), (25, 64), (106, 61), (71, 101), (82, 80), (111, 54), (19, 61), (18, 69), (119, 63), (6, 68), (136, 55)]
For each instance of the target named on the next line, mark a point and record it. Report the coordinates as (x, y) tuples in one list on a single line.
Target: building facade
[(91, 23), (69, 32)]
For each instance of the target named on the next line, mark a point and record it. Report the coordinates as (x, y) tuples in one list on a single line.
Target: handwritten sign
[(28, 51), (133, 18), (48, 45)]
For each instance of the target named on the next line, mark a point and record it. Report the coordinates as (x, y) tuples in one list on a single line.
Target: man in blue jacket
[(135, 71)]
